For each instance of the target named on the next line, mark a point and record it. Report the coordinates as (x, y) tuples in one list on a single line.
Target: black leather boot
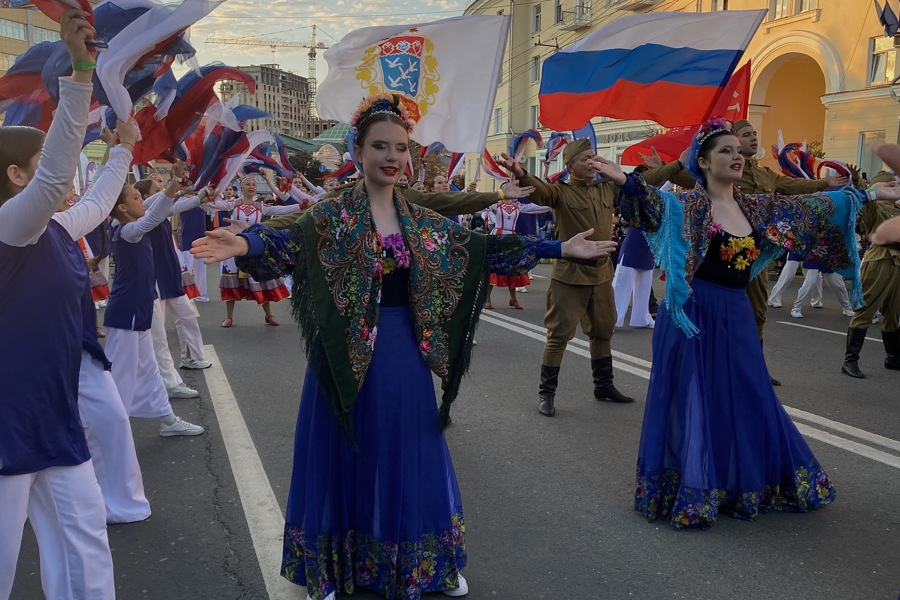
[(891, 349), (604, 389), (547, 390), (855, 339)]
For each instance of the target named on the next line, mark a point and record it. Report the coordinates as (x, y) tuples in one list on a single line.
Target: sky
[(292, 20)]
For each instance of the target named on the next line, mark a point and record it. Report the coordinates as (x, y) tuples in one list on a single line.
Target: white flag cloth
[(446, 72), (159, 23)]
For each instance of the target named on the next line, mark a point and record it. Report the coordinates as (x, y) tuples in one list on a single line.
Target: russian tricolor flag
[(665, 67)]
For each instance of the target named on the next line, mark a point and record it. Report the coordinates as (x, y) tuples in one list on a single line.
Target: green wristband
[(84, 65)]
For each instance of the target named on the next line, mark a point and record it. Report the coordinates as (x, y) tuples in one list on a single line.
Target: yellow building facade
[(822, 71)]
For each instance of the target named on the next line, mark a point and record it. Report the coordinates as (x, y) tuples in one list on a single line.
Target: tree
[(305, 163)]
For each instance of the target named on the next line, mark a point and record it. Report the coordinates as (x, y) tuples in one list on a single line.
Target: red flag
[(732, 103)]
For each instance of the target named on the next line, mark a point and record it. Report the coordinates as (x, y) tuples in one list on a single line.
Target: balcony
[(580, 18), (637, 4)]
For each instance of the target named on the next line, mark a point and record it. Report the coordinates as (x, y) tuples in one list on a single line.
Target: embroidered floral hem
[(402, 570), (661, 495)]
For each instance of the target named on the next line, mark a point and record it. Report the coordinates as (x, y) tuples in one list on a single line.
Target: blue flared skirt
[(715, 437), (387, 514)]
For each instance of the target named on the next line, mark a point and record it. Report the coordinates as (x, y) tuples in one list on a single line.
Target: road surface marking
[(264, 517), (840, 333), (533, 331)]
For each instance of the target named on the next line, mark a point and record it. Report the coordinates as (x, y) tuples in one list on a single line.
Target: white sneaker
[(775, 304), (876, 319), (195, 363), (795, 312), (848, 312), (521, 290), (183, 391), (650, 325), (462, 590), (100, 304), (180, 427), (817, 304), (474, 342), (203, 299)]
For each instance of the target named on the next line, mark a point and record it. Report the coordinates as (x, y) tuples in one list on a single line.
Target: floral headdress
[(381, 103), (711, 127)]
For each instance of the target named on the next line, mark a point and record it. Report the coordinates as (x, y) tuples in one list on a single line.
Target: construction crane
[(313, 46)]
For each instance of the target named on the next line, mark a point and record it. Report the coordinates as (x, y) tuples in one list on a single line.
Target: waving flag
[(518, 143), (665, 67), (139, 40), (555, 145), (733, 104), (445, 73), (456, 164), (491, 167), (52, 8), (888, 18), (429, 149)]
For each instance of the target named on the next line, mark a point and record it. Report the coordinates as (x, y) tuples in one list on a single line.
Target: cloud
[(292, 20)]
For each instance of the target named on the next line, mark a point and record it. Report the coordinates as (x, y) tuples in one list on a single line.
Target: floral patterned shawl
[(818, 226), (338, 291)]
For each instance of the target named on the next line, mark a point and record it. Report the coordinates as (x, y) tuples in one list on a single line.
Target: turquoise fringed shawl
[(819, 226)]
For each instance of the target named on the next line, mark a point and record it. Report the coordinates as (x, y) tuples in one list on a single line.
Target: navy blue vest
[(43, 290), (130, 303), (193, 227), (98, 240), (165, 261)]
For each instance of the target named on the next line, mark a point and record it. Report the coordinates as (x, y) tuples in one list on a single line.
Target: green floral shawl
[(336, 293)]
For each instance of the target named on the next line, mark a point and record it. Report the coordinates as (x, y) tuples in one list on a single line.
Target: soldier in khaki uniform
[(580, 293), (880, 277)]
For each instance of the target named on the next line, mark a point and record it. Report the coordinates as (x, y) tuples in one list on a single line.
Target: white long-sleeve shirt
[(158, 211), (24, 217)]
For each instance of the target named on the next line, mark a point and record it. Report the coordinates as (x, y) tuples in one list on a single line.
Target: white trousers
[(198, 269), (109, 438), (66, 511), (834, 280), (190, 339), (103, 266), (136, 373), (634, 285), (787, 274)]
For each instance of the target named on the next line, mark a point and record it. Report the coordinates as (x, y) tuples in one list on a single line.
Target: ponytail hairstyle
[(18, 145)]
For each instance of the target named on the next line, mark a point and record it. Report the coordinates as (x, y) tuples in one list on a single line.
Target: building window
[(498, 120), (805, 5), (535, 69), (869, 163), (533, 122), (558, 12), (883, 60), (6, 61), (39, 34), (781, 8), (536, 18), (719, 5), (13, 30)]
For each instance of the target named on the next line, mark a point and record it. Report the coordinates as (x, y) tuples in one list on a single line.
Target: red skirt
[(510, 280), (235, 287)]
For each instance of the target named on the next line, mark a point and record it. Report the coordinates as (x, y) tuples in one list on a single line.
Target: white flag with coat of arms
[(445, 72)]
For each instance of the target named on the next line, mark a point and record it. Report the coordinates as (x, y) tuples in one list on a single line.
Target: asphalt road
[(548, 502)]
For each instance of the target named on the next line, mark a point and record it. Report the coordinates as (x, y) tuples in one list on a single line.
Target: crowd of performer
[(374, 258)]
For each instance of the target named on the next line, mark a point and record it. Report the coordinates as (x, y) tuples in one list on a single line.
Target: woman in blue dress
[(374, 500), (715, 437)]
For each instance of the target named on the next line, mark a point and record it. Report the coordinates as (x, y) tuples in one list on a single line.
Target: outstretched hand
[(835, 180), (219, 244), (578, 246), (887, 191), (511, 189), (511, 164), (653, 161), (608, 169)]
